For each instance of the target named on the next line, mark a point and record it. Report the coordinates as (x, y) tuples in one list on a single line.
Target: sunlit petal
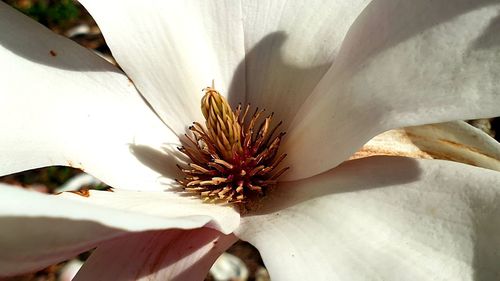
[(174, 49), (63, 105), (403, 63), (289, 46)]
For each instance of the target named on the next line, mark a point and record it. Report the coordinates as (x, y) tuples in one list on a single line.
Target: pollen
[(234, 158)]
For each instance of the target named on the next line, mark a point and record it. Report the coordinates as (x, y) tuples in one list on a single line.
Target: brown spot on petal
[(53, 53), (424, 142), (466, 147), (375, 151), (81, 192), (454, 158)]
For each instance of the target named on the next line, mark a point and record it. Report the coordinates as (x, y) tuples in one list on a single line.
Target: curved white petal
[(163, 204), (401, 64), (60, 104), (173, 49), (382, 218), (455, 141), (289, 46), (167, 255), (39, 230), (80, 181), (70, 269)]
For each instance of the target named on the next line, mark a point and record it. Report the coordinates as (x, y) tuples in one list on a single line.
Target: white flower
[(336, 72)]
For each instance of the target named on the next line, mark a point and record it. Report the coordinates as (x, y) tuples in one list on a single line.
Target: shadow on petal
[(32, 243), (351, 176), (490, 37), (413, 18), (159, 255), (40, 45), (271, 82), (486, 240), (163, 162)]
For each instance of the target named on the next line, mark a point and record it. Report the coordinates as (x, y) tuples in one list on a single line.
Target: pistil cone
[(232, 159), (222, 124)]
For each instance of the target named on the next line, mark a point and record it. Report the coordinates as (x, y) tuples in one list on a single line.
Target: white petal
[(455, 141), (382, 218), (168, 255), (80, 181), (289, 46), (401, 64), (173, 49), (69, 271), (163, 204), (63, 105), (39, 230)]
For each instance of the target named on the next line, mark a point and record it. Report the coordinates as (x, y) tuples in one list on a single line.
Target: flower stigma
[(232, 159)]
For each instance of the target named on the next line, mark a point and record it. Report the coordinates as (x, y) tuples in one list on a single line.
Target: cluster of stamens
[(232, 159)]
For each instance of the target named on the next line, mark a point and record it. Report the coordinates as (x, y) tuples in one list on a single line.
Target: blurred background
[(70, 19)]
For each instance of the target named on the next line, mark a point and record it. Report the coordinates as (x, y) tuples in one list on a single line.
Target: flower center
[(232, 159)]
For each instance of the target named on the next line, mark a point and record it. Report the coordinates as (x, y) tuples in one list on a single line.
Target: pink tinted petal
[(158, 255), (382, 218), (173, 49), (39, 230), (402, 63)]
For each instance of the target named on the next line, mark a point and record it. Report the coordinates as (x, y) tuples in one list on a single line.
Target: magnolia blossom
[(337, 73)]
